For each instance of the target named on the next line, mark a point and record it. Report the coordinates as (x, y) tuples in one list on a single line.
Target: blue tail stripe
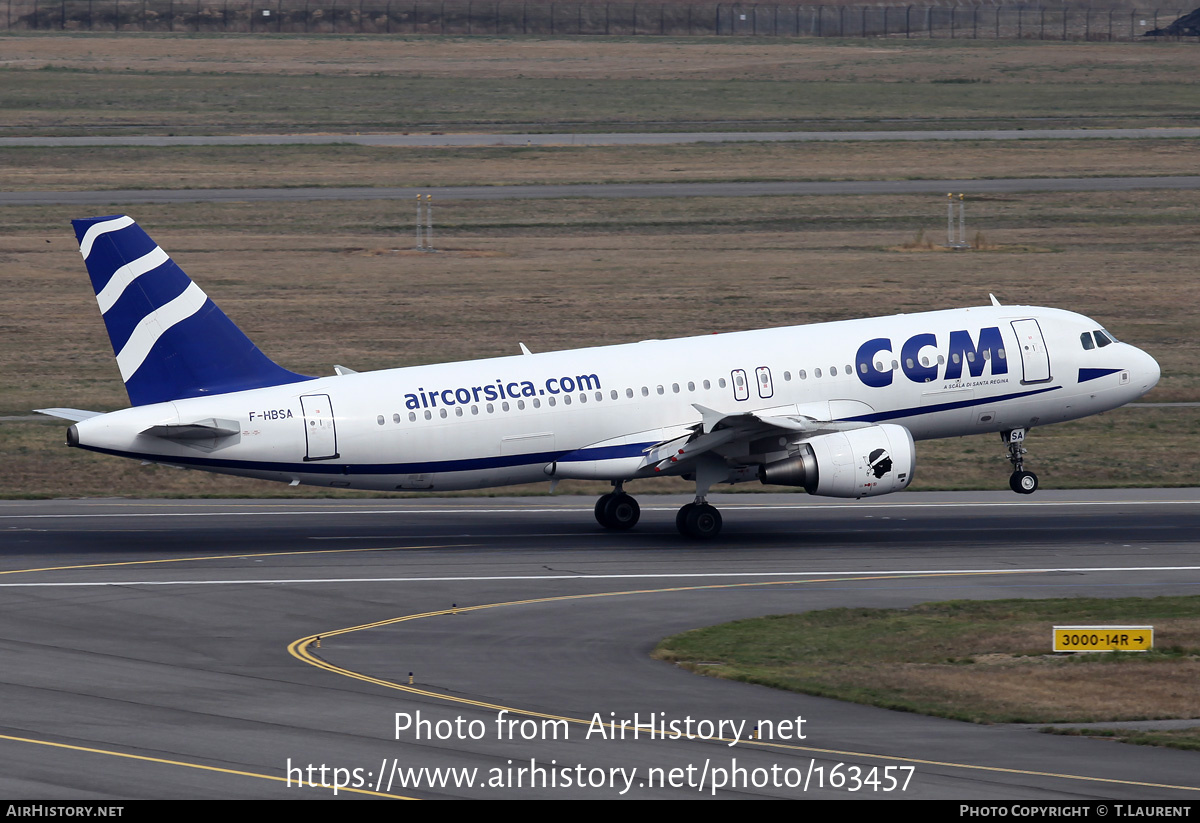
[(151, 291)]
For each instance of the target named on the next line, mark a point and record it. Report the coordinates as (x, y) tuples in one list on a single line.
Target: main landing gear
[(1021, 481), (699, 521), (617, 510)]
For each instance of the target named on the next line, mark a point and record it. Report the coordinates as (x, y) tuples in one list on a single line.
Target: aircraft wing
[(720, 430)]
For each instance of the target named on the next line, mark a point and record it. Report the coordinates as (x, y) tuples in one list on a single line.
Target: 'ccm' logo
[(961, 350)]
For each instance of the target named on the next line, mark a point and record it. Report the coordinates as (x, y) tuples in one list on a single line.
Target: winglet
[(995, 302), (524, 349)]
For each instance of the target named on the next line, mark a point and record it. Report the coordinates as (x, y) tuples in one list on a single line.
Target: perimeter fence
[(481, 17)]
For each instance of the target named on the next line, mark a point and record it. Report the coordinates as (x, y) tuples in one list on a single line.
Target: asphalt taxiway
[(169, 649)]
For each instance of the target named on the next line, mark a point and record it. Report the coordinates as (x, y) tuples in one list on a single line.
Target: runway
[(599, 190), (167, 649)]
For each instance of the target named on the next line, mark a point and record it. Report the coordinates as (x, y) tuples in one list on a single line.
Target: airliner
[(833, 408)]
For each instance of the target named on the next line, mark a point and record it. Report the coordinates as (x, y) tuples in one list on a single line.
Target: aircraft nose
[(1147, 372)]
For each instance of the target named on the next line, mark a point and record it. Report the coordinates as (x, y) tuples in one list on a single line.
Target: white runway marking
[(588, 509), (862, 573)]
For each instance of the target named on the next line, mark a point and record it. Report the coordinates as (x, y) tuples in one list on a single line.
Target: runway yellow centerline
[(300, 649), (200, 766), (227, 557)]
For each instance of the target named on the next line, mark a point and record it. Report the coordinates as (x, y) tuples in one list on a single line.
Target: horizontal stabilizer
[(69, 414), (200, 430)]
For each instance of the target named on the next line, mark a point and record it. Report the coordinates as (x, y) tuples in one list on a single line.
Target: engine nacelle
[(856, 463)]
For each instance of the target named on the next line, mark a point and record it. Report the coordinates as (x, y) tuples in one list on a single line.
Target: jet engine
[(855, 463)]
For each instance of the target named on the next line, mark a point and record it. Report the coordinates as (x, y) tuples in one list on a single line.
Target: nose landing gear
[(1021, 481)]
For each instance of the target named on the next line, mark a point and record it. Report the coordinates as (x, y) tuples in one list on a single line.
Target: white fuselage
[(594, 412)]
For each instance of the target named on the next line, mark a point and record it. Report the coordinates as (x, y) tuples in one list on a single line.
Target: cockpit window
[(1102, 339), (1086, 340)]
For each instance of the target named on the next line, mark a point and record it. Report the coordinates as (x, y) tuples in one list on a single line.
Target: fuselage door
[(320, 435), (1035, 358), (741, 389), (763, 375)]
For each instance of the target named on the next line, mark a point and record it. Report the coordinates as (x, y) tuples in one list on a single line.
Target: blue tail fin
[(170, 339)]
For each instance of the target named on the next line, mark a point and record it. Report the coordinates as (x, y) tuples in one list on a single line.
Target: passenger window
[(412, 417), (802, 374), (379, 419)]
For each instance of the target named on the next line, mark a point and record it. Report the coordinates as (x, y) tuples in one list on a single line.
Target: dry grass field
[(986, 662), (28, 169), (318, 283), (158, 84)]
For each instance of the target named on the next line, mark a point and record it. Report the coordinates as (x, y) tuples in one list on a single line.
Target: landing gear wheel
[(600, 504), (700, 521), (1023, 482), (621, 512), (681, 518)]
